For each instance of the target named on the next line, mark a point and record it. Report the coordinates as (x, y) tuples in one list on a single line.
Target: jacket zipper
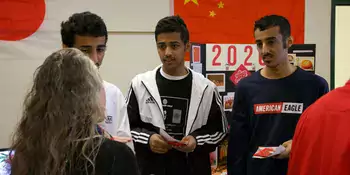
[(198, 108), (164, 170), (187, 162)]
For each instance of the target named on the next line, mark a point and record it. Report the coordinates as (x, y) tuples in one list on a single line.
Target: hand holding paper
[(189, 144), (285, 154), (266, 152), (171, 141), (158, 144)]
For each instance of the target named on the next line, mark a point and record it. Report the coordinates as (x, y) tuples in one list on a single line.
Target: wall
[(131, 47), (132, 53), (318, 31), (341, 53)]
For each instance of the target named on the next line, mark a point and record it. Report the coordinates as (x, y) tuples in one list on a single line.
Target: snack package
[(171, 141), (266, 152)]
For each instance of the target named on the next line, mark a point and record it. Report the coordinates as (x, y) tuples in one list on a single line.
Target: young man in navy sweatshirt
[(268, 104)]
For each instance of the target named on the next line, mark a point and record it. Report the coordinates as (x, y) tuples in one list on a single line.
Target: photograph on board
[(306, 63), (218, 79), (292, 58), (228, 102)]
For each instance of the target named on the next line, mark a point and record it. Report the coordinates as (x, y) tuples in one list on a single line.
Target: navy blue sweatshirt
[(265, 113)]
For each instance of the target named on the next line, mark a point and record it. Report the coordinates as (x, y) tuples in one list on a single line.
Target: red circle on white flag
[(20, 18)]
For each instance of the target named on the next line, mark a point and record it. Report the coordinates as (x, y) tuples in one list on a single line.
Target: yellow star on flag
[(194, 1), (221, 5), (212, 13)]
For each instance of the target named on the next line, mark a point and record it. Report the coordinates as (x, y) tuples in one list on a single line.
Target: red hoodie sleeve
[(321, 143)]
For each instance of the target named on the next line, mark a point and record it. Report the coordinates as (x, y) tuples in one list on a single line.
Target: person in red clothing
[(321, 143)]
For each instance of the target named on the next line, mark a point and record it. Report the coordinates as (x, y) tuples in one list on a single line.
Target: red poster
[(239, 74), (196, 54)]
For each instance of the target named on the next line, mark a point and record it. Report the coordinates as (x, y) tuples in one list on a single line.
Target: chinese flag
[(232, 21)]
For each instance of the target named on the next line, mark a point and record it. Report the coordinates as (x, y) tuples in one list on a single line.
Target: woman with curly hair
[(58, 132)]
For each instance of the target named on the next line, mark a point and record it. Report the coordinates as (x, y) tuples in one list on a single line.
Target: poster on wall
[(228, 57), (218, 79), (227, 64)]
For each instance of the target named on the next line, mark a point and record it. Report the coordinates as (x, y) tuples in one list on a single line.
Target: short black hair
[(269, 21), (171, 24), (83, 24)]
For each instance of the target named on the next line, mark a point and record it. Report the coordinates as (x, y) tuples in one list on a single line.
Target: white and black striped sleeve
[(209, 136), (140, 131)]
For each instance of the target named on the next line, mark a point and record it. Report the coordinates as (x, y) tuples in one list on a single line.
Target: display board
[(227, 64)]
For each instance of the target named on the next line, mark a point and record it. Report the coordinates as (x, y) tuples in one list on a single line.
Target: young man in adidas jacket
[(174, 99), (88, 32)]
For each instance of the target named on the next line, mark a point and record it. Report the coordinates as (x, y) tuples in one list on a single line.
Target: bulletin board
[(227, 64)]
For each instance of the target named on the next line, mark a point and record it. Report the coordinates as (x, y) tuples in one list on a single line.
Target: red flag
[(20, 18), (232, 21)]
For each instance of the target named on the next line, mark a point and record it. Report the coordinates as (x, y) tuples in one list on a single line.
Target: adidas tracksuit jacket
[(206, 122)]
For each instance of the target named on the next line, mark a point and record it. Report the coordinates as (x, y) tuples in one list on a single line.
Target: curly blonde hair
[(57, 132)]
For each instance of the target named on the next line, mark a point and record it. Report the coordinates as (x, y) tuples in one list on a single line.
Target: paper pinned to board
[(266, 152), (197, 67)]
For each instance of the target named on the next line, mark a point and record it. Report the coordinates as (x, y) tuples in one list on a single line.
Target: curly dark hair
[(171, 24), (83, 24)]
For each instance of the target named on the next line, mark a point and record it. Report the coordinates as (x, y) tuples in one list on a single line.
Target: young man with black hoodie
[(179, 101), (268, 104)]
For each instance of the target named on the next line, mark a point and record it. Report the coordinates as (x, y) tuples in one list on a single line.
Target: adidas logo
[(150, 100)]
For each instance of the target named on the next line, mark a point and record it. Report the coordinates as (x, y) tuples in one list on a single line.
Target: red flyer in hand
[(171, 140), (176, 143), (265, 152)]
